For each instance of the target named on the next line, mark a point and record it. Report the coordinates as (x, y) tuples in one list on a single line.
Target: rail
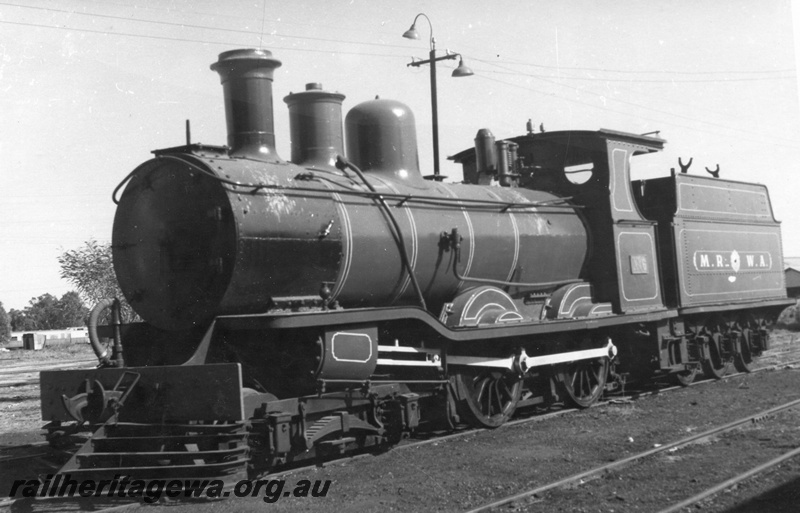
[(732, 481), (636, 457)]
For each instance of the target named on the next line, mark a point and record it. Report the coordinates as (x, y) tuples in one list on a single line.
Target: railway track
[(41, 450), (16, 376), (695, 499), (28, 367), (38, 450), (64, 505), (619, 464), (544, 416), (411, 444), (40, 459)]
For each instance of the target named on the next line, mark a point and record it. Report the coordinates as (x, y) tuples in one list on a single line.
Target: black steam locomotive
[(305, 308)]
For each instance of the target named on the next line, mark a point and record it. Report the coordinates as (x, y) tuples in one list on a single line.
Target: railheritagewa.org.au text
[(152, 490)]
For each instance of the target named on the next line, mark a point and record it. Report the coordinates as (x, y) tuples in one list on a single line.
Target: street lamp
[(460, 71)]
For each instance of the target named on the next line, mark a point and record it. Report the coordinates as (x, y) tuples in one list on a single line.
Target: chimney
[(315, 123), (246, 77)]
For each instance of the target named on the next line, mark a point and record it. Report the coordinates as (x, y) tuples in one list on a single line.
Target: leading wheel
[(583, 381), (486, 398)]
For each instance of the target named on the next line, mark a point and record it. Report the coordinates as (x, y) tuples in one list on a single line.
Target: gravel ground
[(465, 472), (20, 418)]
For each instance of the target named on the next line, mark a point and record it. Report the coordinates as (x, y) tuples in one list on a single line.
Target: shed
[(792, 276), (33, 341)]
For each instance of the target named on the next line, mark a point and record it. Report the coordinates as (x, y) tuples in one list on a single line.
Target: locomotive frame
[(521, 288)]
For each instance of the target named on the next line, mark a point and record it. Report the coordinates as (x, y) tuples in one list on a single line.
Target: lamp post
[(460, 71)]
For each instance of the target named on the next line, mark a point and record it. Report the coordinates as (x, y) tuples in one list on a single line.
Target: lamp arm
[(432, 41)]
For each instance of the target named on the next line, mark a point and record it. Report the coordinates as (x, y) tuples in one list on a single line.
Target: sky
[(88, 88)]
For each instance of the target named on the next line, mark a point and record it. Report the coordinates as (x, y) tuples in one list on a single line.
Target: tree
[(91, 269), (19, 322), (49, 313), (73, 311), (42, 312), (5, 325)]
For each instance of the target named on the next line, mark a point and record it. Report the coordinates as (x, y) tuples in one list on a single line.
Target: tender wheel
[(743, 358), (715, 367), (760, 337), (583, 381), (486, 398), (684, 378)]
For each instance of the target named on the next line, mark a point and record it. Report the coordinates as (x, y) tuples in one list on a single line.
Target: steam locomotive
[(306, 308)]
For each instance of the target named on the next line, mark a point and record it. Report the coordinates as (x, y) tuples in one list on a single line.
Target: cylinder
[(315, 124), (246, 77)]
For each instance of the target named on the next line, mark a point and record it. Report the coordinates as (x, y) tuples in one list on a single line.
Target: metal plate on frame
[(173, 393)]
